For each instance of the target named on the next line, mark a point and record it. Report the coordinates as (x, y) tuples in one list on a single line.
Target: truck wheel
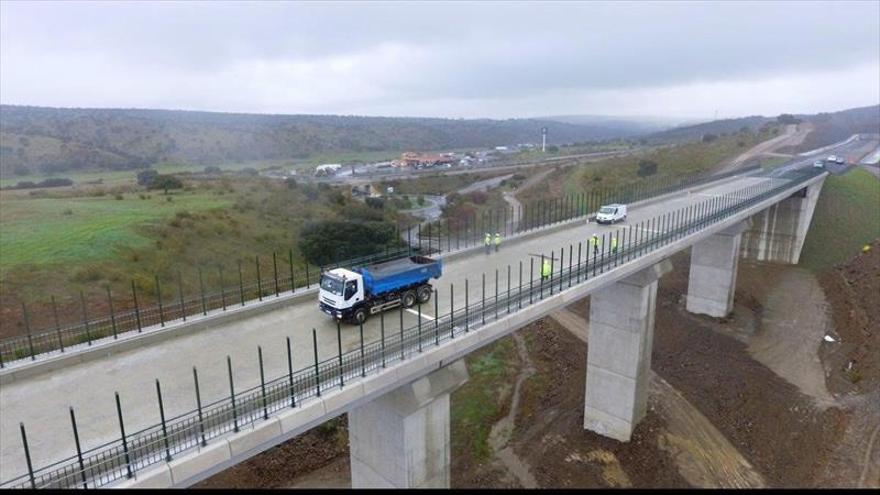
[(408, 299), (359, 316), (424, 294)]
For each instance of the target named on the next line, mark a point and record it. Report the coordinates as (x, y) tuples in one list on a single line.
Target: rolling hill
[(51, 140)]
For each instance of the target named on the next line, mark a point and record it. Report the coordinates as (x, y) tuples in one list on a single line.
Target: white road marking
[(425, 316)]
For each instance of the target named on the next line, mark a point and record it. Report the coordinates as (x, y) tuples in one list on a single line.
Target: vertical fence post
[(112, 313), (451, 311), (162, 418), (508, 289), (240, 284), (159, 296), (382, 334), (419, 323), (531, 277), (27, 327), (137, 311), (202, 292), (402, 355), (124, 439), (79, 454), (199, 406), (27, 456), (436, 319), (180, 296), (290, 264), (82, 300), (483, 306), (363, 362), (222, 289), (520, 284), (496, 293), (232, 394), (467, 305), (57, 324), (262, 382), (308, 279), (317, 373), (259, 279), (339, 352), (290, 374), (579, 263), (275, 272)]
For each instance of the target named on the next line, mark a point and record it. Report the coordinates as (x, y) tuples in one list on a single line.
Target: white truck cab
[(341, 289), (611, 213)]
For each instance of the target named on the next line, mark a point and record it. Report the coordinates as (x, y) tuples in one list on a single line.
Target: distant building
[(328, 169), (501, 148), (424, 160)]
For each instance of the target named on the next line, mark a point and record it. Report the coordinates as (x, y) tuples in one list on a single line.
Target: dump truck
[(353, 295)]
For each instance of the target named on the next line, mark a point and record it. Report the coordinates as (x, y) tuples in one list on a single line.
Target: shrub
[(118, 197), (323, 242), (146, 177), (646, 168), (166, 182)]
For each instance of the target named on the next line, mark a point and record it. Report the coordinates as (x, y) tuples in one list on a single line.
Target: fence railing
[(281, 276), (132, 452)]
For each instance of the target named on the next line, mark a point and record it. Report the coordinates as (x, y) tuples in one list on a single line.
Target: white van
[(611, 213)]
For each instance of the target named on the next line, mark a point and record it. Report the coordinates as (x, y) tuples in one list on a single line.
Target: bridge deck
[(42, 402)]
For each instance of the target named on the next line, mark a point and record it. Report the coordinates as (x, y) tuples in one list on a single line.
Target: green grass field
[(847, 217), (49, 231)]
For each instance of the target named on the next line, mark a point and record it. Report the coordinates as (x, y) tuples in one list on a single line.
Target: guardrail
[(433, 237), (119, 459)]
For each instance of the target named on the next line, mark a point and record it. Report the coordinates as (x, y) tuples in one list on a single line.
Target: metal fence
[(282, 277), (132, 452)]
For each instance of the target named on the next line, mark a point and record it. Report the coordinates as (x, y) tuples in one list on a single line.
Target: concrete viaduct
[(399, 412)]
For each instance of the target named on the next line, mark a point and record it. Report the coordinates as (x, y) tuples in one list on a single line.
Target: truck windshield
[(331, 284), (607, 209)]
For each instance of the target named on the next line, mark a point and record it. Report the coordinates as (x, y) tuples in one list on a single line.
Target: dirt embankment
[(853, 291)]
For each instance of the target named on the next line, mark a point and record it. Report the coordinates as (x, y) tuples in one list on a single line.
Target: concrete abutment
[(619, 353), (402, 439)]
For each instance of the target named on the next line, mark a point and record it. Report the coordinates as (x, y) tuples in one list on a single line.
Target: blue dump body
[(397, 274)]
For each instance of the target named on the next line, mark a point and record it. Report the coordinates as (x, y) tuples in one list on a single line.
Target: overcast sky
[(450, 59)]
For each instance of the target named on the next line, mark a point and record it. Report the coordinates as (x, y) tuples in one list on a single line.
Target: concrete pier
[(619, 353), (777, 234), (401, 440), (712, 281)]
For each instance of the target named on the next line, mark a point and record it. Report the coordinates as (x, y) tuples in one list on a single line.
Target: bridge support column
[(778, 233), (712, 279), (402, 440), (619, 353)]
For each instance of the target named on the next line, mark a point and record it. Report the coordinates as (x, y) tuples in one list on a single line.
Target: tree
[(646, 168), (324, 242), (552, 148), (787, 118), (708, 138), (213, 170), (291, 183), (146, 177), (166, 182)]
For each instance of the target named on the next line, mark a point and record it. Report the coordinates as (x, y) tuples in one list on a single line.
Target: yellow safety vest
[(546, 269), (488, 239), (614, 242), (497, 239), (594, 241)]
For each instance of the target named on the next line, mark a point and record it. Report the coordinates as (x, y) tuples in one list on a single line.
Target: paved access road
[(42, 402)]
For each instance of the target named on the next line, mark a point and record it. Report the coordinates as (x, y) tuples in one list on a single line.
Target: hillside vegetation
[(54, 140)]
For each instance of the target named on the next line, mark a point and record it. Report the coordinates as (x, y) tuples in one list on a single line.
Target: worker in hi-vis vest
[(546, 269), (614, 244), (488, 241), (497, 241), (594, 241)]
